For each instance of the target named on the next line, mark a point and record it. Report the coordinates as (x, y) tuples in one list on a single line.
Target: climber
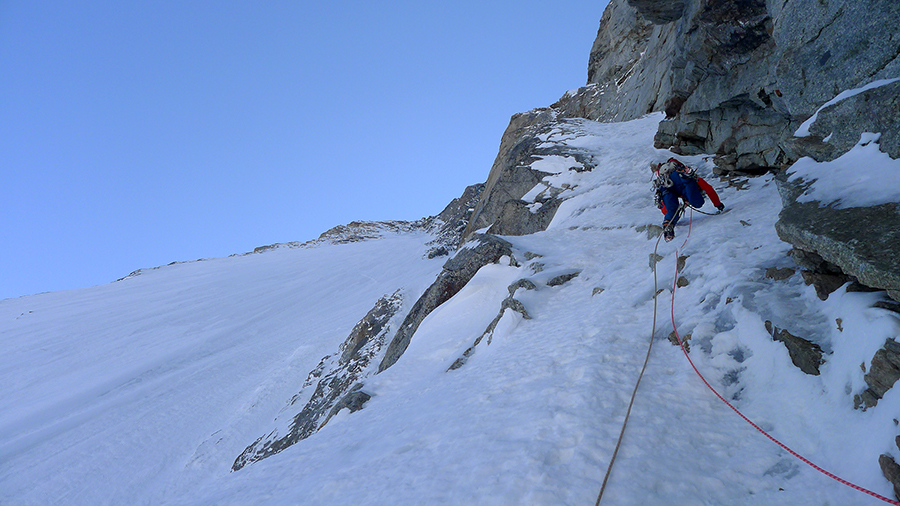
[(673, 181)]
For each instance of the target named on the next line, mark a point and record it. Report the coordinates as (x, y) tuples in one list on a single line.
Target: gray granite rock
[(891, 471), (863, 242), (563, 278), (335, 383), (511, 176), (737, 77), (659, 11), (450, 225), (501, 210), (876, 110)]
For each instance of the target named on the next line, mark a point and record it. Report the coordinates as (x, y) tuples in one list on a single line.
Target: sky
[(135, 134)]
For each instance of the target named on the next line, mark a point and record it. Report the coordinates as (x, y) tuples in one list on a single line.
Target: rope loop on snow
[(637, 384), (755, 426)]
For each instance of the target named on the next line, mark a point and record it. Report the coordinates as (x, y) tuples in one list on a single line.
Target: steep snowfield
[(144, 391)]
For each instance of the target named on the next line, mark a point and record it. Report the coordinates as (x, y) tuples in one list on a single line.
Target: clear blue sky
[(134, 134)]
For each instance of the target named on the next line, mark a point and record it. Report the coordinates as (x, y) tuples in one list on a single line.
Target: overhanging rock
[(863, 241)]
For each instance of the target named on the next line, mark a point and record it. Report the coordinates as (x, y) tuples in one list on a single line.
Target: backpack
[(674, 165)]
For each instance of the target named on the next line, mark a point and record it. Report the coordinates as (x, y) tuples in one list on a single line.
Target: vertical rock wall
[(735, 77)]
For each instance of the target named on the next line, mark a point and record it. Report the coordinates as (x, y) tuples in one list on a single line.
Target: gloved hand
[(720, 207)]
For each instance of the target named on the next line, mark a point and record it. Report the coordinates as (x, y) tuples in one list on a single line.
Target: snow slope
[(144, 391)]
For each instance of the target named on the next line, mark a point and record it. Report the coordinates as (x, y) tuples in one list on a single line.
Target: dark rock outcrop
[(450, 225), (883, 373), (779, 274), (484, 249), (891, 471), (806, 355), (563, 278), (336, 383), (659, 11), (511, 176), (842, 123), (862, 242)]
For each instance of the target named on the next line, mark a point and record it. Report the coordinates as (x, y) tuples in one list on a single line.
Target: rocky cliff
[(754, 84), (757, 85), (736, 78)]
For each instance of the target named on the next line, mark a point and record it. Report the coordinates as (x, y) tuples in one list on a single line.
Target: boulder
[(779, 274), (563, 278), (891, 471), (354, 401), (862, 241)]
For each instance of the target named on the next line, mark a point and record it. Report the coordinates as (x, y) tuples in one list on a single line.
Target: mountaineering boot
[(668, 231)]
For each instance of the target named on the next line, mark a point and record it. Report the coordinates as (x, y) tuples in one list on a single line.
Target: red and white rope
[(755, 426)]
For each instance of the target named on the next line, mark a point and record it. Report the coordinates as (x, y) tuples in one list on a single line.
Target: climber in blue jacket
[(674, 181)]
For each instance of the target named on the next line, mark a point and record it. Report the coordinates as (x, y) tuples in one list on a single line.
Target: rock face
[(336, 381), (659, 12), (511, 177), (842, 123), (735, 77), (501, 209), (738, 78), (450, 225), (863, 242)]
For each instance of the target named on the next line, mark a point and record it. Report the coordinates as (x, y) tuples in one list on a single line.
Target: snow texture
[(142, 392), (862, 177)]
